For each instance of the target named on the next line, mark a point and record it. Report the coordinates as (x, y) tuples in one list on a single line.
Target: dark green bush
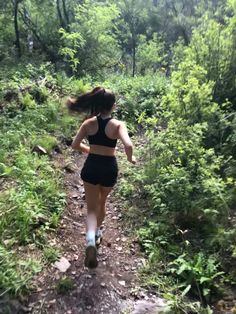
[(138, 96)]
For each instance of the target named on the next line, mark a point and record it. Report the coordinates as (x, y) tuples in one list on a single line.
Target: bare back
[(111, 131)]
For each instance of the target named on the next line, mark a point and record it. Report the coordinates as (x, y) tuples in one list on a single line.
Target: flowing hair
[(99, 100)]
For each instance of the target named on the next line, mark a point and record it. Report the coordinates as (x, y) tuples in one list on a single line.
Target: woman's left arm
[(81, 134)]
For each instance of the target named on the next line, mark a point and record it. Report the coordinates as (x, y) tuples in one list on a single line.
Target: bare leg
[(92, 196), (104, 192)]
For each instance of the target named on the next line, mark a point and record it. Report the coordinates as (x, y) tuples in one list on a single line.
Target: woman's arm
[(124, 136), (81, 134)]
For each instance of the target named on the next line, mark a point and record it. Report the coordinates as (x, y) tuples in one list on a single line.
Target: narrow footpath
[(113, 287)]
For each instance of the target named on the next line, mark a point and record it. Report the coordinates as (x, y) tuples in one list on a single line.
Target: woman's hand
[(132, 160), (84, 148), (124, 136)]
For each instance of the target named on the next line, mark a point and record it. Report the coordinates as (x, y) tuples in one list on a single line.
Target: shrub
[(181, 177), (136, 96), (187, 202)]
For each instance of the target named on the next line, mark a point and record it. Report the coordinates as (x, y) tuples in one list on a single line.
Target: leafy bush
[(138, 96), (197, 273), (187, 203), (28, 102), (181, 177), (150, 54)]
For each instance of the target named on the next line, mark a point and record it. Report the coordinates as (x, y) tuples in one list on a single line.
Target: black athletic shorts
[(100, 169)]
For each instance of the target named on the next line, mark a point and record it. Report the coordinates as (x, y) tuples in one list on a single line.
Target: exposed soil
[(113, 287)]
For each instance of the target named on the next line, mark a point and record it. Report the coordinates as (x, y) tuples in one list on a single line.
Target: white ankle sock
[(90, 237), (98, 232)]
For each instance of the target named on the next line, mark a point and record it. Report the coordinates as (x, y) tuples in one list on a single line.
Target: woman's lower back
[(102, 150)]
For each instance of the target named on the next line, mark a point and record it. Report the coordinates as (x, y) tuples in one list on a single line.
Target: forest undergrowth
[(181, 196), (33, 127)]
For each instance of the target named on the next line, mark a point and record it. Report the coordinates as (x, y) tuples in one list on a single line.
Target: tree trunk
[(65, 14), (133, 55), (185, 35), (17, 33), (62, 24)]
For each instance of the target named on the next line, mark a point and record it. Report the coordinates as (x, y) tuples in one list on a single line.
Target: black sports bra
[(100, 138)]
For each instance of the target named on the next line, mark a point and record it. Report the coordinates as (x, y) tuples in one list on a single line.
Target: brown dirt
[(113, 287)]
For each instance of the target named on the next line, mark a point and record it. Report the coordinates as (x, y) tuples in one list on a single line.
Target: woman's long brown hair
[(97, 101)]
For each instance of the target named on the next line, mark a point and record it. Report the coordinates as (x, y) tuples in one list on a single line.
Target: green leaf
[(186, 290)]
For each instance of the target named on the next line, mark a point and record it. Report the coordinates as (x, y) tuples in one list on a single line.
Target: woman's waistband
[(101, 157)]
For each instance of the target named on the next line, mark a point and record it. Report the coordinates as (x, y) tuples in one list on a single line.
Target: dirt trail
[(113, 286)]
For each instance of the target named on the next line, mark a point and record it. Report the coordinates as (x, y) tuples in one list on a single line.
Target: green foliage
[(65, 285), (48, 142), (51, 254), (89, 35), (187, 209), (28, 102), (213, 47), (181, 176), (190, 96), (97, 36), (125, 189), (78, 87), (197, 273), (203, 86), (150, 54), (188, 177), (177, 303), (134, 15), (15, 275), (31, 198), (75, 42), (139, 96)]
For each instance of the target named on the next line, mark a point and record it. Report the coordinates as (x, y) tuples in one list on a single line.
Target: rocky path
[(113, 287)]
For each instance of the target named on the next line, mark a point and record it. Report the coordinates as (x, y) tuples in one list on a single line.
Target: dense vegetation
[(172, 65)]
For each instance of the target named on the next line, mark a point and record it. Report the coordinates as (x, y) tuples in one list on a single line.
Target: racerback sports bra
[(100, 138)]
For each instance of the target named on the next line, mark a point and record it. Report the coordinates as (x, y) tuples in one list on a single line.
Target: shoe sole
[(91, 257)]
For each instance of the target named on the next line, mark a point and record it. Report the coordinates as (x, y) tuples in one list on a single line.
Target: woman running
[(99, 173)]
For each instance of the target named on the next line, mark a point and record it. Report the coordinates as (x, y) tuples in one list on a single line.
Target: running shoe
[(91, 257)]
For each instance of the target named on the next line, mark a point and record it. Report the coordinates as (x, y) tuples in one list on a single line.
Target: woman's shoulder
[(119, 123), (116, 122), (90, 120)]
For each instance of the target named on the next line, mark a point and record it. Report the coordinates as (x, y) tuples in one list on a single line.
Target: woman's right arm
[(76, 144), (124, 137)]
